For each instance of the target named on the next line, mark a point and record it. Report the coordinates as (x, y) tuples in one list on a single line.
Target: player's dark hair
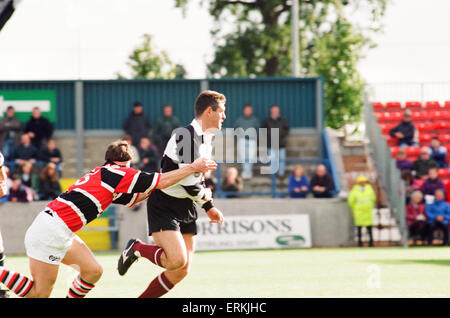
[(118, 150), (207, 99)]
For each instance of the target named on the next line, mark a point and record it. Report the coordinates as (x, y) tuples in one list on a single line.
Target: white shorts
[(48, 238)]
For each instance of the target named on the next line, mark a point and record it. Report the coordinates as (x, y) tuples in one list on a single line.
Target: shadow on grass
[(441, 262)]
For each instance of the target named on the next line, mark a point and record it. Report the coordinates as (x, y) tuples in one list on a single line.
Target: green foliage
[(257, 42), (147, 63)]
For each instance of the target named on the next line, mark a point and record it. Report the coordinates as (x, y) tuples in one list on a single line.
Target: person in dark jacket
[(10, 128), (232, 182), (405, 131), (438, 214), (416, 217), (49, 187), (137, 124), (321, 183), (423, 164), (25, 152), (438, 153), (19, 192), (298, 183), (38, 128), (432, 183), (403, 163), (277, 154), (148, 155), (50, 153), (164, 127)]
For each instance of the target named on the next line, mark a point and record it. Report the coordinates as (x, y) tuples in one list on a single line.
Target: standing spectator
[(361, 200), (135, 159), (19, 192), (298, 183), (438, 153), (25, 152), (149, 155), (210, 182), (405, 132), (50, 153), (164, 127), (438, 214), (424, 163), (49, 187), (137, 124), (247, 144), (38, 128), (232, 182), (431, 184), (10, 128), (416, 217), (321, 183), (403, 163), (277, 155)]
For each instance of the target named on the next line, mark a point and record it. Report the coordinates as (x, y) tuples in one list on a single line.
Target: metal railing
[(387, 173)]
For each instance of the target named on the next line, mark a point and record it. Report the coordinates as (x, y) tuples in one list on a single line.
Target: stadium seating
[(413, 105), (444, 173), (393, 106), (432, 105), (424, 127), (425, 138)]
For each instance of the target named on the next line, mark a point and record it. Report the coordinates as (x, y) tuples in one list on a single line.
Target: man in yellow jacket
[(361, 201)]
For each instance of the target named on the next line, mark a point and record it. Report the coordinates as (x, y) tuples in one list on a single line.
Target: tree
[(259, 44), (146, 62)]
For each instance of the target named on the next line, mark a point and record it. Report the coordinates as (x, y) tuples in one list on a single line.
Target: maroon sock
[(150, 252), (158, 287)]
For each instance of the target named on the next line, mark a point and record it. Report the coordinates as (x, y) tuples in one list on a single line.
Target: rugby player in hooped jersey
[(172, 212), (51, 238)]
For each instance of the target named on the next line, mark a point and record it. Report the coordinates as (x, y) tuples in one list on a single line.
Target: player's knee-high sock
[(158, 287), (15, 282), (151, 252), (79, 288)]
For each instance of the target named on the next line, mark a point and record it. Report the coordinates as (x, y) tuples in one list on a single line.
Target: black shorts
[(166, 213)]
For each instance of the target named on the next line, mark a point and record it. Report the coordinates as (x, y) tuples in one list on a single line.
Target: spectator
[(438, 153), (438, 214), (210, 182), (19, 192), (431, 184), (247, 143), (298, 184), (411, 184), (50, 153), (321, 183), (232, 182), (424, 163), (10, 128), (164, 127), (38, 128), (416, 217), (137, 124), (28, 177), (8, 182), (25, 152), (405, 132), (403, 163), (277, 154), (361, 200), (49, 187), (134, 151), (149, 155)]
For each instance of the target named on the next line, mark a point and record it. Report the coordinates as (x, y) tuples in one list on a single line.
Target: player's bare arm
[(215, 216)]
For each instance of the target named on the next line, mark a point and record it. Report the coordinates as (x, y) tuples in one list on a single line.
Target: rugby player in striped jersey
[(51, 238)]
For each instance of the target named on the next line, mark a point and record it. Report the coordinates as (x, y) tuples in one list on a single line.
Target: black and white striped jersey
[(184, 147)]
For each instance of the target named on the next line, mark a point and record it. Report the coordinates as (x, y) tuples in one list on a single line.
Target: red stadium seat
[(412, 150), (425, 138), (396, 116), (413, 158), (445, 181), (420, 182), (386, 127), (377, 106), (447, 104), (444, 173), (432, 105), (442, 125), (393, 106), (418, 115), (413, 105), (392, 141), (444, 138), (394, 150), (424, 126), (439, 115), (448, 149)]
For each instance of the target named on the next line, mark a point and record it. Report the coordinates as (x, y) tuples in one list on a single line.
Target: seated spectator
[(164, 127), (411, 184), (361, 200), (232, 182), (298, 184), (8, 182), (416, 217), (424, 163), (431, 184), (39, 129), (438, 214), (50, 153), (438, 153), (49, 187), (19, 192), (134, 152), (321, 183), (25, 152), (210, 182), (405, 132), (403, 163), (28, 177), (149, 155)]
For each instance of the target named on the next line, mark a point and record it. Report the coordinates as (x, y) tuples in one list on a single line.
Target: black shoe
[(4, 293), (128, 257)]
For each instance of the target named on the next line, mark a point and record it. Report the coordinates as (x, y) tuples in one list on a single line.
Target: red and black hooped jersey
[(87, 198)]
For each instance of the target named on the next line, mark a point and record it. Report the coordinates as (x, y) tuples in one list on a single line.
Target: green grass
[(346, 272)]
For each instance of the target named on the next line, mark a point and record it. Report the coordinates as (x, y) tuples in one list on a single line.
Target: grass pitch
[(345, 272)]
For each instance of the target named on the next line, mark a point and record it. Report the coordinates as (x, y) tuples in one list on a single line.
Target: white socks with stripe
[(15, 282), (79, 288)]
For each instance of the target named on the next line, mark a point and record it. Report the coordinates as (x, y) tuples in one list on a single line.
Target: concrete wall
[(331, 224)]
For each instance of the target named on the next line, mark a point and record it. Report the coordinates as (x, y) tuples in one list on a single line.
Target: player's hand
[(204, 165), (215, 216)]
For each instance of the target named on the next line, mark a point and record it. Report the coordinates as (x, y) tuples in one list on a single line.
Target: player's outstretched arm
[(170, 178)]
